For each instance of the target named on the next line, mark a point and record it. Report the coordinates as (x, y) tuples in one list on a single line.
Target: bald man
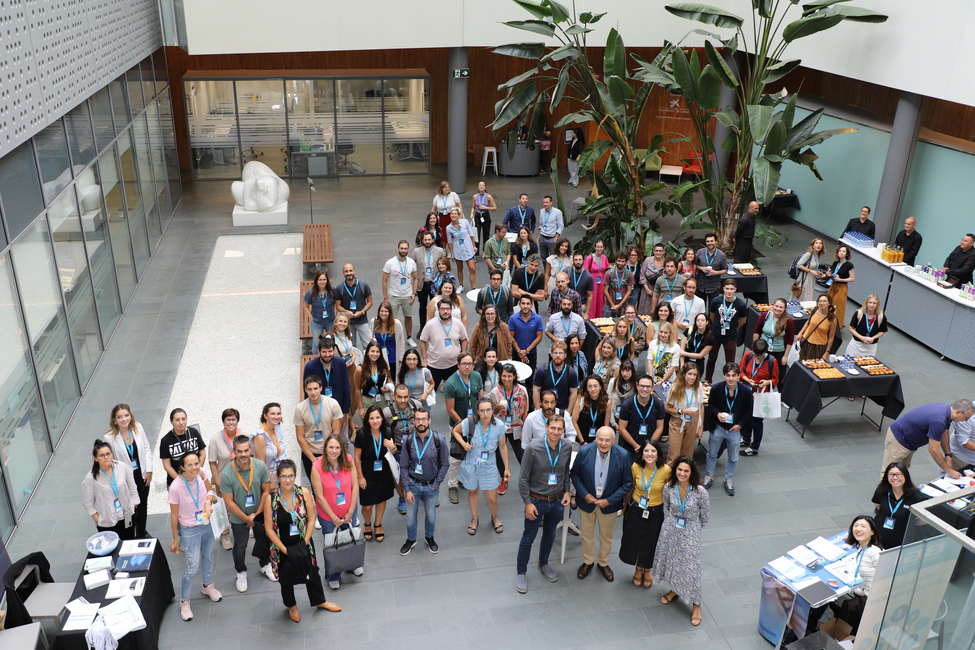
[(745, 233)]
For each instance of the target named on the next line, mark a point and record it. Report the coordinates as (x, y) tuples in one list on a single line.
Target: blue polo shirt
[(926, 422), (524, 332)]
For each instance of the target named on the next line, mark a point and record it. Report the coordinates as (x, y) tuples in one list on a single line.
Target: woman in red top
[(777, 328), (336, 488), (760, 371), (597, 264)]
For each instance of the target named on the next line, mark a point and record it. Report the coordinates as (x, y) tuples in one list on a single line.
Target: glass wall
[(81, 138), (118, 230), (99, 248), (53, 160), (120, 104), (169, 148), (310, 127), (20, 188), (133, 201)]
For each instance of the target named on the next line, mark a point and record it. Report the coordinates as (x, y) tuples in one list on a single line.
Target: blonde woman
[(684, 404), (342, 333), (443, 202), (606, 364), (130, 445), (867, 325), (663, 353)]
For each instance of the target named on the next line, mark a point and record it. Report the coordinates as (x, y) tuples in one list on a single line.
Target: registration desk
[(873, 274)]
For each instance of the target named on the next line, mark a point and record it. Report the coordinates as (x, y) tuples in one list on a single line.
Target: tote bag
[(767, 405), (345, 552)]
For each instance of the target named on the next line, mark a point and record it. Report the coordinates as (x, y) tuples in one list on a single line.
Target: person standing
[(617, 286), (315, 418), (511, 406), (592, 409), (109, 494), (243, 485), (560, 261), (925, 425), (581, 282), (564, 323), (909, 241), (536, 423), (678, 559), (526, 332), (808, 267), (730, 404), (597, 264), (496, 250), (422, 470), (336, 494), (650, 270), (481, 436), (893, 498), (431, 225), (390, 334), (668, 286), (760, 372), (644, 515), (179, 441), (443, 338), (400, 285), (602, 479), (777, 329), (443, 202), (711, 265), (399, 418), (319, 304), (221, 455), (354, 298), (333, 377), (550, 226), (130, 444), (575, 150), (543, 485), (641, 416), (963, 445), (460, 243), (745, 233), (190, 506), (460, 394), (372, 467), (481, 211), (491, 333), (528, 281), (520, 216), (685, 404), (960, 264), (819, 330), (425, 257), (861, 224), (557, 377), (686, 307), (268, 440), (497, 295), (728, 314), (841, 274), (562, 290), (293, 558)]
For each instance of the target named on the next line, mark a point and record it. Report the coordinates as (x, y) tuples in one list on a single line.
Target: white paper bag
[(393, 465), (219, 521), (793, 353), (432, 398), (767, 405)]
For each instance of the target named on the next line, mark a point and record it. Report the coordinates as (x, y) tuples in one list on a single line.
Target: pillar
[(457, 122), (728, 99), (897, 167)]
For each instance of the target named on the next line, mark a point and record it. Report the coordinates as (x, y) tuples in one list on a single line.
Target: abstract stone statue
[(260, 189)]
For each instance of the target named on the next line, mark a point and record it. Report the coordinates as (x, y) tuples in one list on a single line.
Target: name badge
[(599, 279), (327, 391), (373, 391), (500, 260), (294, 530), (447, 343), (377, 465), (419, 469), (682, 522), (643, 429), (135, 464), (687, 322), (646, 513), (687, 418), (470, 412), (668, 297), (402, 281), (428, 271), (118, 506), (553, 479), (731, 418), (724, 329), (889, 523), (592, 432), (319, 436), (340, 498), (508, 420), (324, 313), (249, 501), (353, 304), (644, 502), (619, 295), (199, 516), (599, 493), (485, 456)]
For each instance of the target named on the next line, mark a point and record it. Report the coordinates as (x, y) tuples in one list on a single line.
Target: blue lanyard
[(492, 376), (687, 308), (402, 268), (494, 299), (670, 287), (868, 326), (196, 496), (566, 324), (894, 509), (381, 338), (294, 504), (558, 452), (599, 368), (860, 554), (491, 334), (647, 484), (522, 213), (444, 199), (616, 274), (375, 379), (378, 446), (757, 366), (710, 260), (467, 387), (551, 373), (697, 341), (337, 477), (429, 259), (658, 354), (130, 448), (416, 447), (575, 279), (592, 416), (632, 329), (316, 416), (328, 376), (529, 283), (484, 437), (112, 479), (727, 396), (416, 373), (689, 395), (324, 304), (355, 288), (446, 330), (682, 503), (509, 398), (620, 351), (643, 416), (545, 218)]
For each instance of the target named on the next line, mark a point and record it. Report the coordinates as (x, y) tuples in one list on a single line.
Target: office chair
[(344, 151)]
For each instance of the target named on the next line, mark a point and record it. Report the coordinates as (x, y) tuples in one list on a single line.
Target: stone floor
[(464, 596)]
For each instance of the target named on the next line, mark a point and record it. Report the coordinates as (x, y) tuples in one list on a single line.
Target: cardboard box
[(836, 628)]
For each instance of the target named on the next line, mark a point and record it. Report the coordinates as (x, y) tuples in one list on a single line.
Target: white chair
[(47, 599), (491, 152), (24, 637)]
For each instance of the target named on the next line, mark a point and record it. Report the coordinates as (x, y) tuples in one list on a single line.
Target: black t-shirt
[(581, 282), (528, 282), (367, 445), (564, 382), (911, 244), (841, 269), (862, 327), (520, 254), (867, 227), (637, 415), (725, 318), (589, 422), (358, 292), (893, 537), (175, 447)]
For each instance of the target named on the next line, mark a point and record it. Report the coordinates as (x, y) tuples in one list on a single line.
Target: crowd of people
[(633, 408)]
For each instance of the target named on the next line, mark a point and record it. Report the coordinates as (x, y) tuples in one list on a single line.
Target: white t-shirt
[(400, 281), (661, 356), (685, 311), (961, 433), (446, 203), (435, 334)]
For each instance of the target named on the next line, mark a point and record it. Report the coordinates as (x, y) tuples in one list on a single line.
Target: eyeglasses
[(467, 363), (286, 477), (107, 454), (895, 475)]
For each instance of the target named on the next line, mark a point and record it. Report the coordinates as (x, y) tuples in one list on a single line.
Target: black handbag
[(457, 450), (349, 556)]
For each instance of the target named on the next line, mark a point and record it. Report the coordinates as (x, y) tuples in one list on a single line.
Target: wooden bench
[(304, 319), (305, 358), (317, 244)]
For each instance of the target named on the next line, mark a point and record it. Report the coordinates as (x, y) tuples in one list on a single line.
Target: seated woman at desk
[(863, 536), (894, 497)]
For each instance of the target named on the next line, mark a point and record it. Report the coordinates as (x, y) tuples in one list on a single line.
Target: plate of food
[(828, 373)]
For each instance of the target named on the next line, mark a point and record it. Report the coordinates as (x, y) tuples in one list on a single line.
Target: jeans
[(317, 329), (196, 543), (327, 529), (361, 334), (549, 516), (732, 438), (428, 496), (262, 547), (752, 433), (545, 247)]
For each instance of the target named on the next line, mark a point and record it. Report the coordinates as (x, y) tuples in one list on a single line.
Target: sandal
[(668, 597), (472, 528), (664, 438), (367, 532), (638, 577), (498, 526), (380, 535), (696, 620), (647, 579)]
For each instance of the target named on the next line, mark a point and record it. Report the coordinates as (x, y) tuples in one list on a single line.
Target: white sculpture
[(260, 189)]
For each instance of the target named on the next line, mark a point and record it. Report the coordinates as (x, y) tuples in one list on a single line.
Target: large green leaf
[(809, 26), (559, 87), (536, 124), (592, 153), (821, 136), (534, 8), (567, 51), (858, 15), (778, 70), (587, 18), (521, 50), (614, 62), (619, 90), (721, 67), (801, 131), (537, 26), (708, 89), (515, 104), (705, 14), (759, 119), (559, 13), (683, 75), (652, 74), (765, 178), (579, 117), (816, 5), (775, 139), (514, 81), (807, 158), (789, 112), (575, 30), (729, 118), (763, 7)]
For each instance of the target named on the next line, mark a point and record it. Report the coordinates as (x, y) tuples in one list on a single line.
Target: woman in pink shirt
[(336, 488), (597, 264)]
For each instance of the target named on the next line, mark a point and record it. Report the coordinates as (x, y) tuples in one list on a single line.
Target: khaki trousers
[(895, 452), (607, 524)]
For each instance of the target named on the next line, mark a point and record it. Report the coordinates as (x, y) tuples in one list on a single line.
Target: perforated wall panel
[(55, 53)]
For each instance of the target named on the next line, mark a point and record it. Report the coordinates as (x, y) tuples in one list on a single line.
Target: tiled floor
[(464, 596)]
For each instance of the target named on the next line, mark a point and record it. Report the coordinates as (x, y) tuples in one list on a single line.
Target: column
[(457, 122), (728, 99), (897, 167)]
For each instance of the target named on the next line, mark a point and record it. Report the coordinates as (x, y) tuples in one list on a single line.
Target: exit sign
[(462, 73)]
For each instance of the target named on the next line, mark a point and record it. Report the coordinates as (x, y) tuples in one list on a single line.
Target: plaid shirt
[(555, 299)]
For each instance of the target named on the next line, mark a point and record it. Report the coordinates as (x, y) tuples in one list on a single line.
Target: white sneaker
[(333, 584), (211, 591), (358, 572), (410, 342), (185, 612), (318, 524), (460, 288), (242, 581), (268, 572)]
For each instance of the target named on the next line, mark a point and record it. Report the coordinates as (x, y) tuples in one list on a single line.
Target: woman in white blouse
[(444, 202), (108, 492), (130, 444)]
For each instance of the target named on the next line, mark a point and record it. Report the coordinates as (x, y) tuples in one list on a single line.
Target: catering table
[(872, 273), (781, 202), (156, 596), (753, 287), (803, 391), (745, 336), (589, 345), (524, 163)]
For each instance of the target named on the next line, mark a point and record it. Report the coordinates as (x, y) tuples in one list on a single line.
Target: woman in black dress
[(592, 410), (894, 497), (644, 512), (376, 484)]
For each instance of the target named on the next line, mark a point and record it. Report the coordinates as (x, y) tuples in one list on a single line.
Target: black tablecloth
[(753, 287), (745, 337), (156, 596), (781, 202), (804, 391), (593, 337)]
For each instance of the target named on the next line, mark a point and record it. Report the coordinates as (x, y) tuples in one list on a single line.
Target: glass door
[(359, 120), (406, 120), (263, 124), (311, 127)]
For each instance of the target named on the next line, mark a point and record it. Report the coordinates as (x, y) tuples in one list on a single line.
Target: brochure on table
[(819, 563)]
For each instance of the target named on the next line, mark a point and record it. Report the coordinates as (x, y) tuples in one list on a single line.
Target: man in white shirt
[(400, 284), (687, 306), (550, 226), (565, 322), (537, 421), (963, 444), (425, 257), (443, 338)]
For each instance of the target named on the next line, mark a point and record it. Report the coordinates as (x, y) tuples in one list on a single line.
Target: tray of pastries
[(743, 266), (877, 369), (814, 364), (828, 373), (750, 272), (865, 361), (600, 322), (761, 308)]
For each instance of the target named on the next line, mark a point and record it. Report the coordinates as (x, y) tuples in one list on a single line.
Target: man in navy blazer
[(602, 478)]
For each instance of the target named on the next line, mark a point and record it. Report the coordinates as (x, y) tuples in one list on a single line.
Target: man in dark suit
[(602, 479)]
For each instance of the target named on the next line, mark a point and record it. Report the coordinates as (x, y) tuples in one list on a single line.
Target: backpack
[(436, 441), (794, 269)]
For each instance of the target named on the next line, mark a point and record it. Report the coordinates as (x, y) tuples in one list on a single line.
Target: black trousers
[(316, 592), (262, 546), (142, 510), (440, 376), (423, 298), (120, 529), (482, 221)]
